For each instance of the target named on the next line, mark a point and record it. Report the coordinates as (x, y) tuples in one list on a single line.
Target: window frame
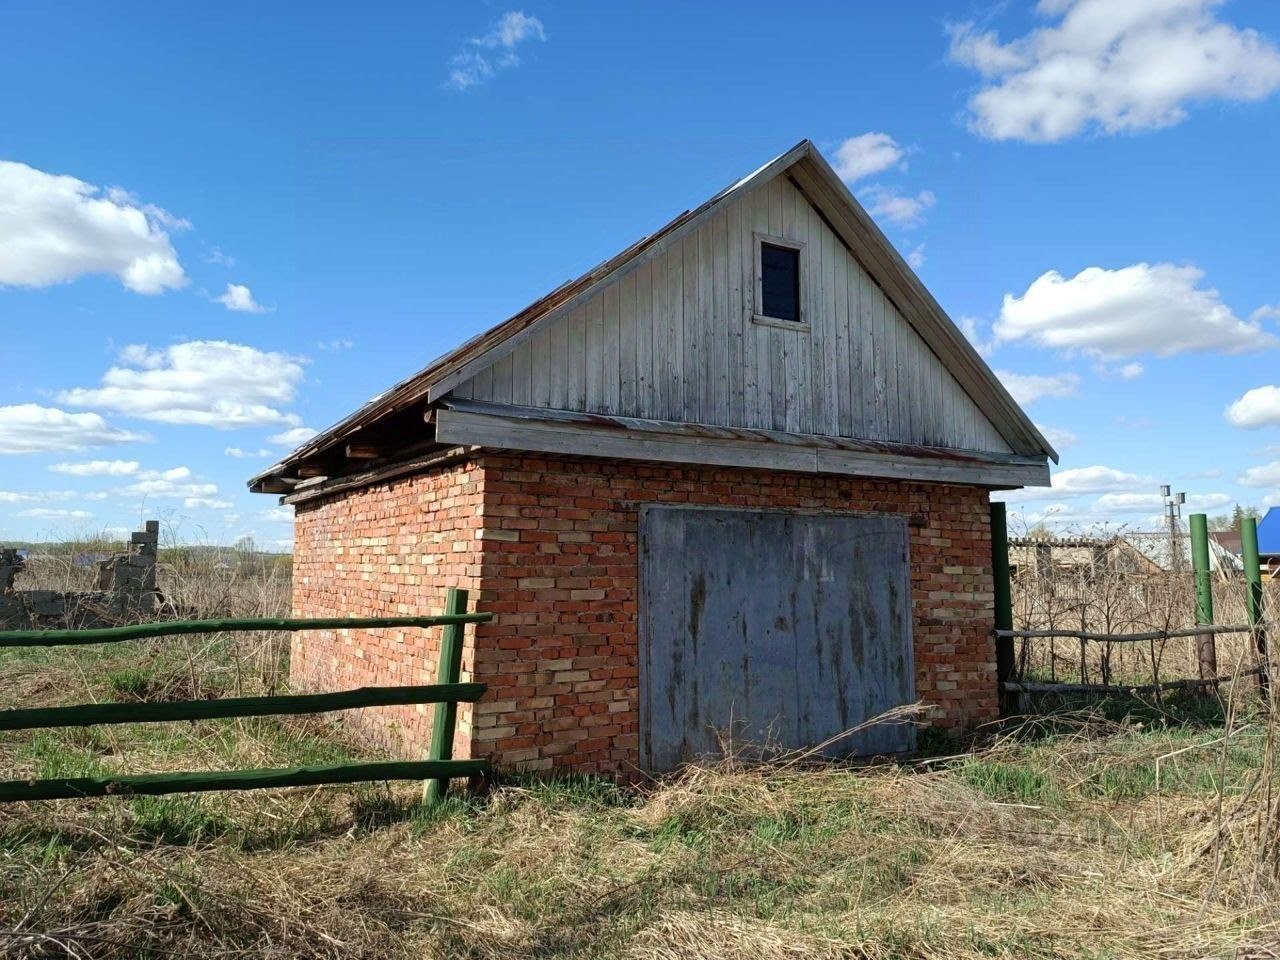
[(757, 315)]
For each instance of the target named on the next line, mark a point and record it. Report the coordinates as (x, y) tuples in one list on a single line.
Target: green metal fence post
[(446, 718), (1003, 601), (1253, 596), (1206, 648)]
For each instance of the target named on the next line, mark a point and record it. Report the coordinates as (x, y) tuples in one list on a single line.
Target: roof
[(1156, 548), (824, 189), (1269, 533)]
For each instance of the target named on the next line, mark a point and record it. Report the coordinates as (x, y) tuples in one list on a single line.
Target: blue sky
[(221, 227)]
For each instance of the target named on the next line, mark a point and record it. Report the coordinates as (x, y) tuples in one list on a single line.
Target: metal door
[(771, 628)]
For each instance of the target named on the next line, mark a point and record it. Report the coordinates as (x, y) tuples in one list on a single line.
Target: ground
[(1077, 838)]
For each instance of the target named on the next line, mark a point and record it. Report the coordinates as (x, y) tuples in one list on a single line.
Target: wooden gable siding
[(672, 339)]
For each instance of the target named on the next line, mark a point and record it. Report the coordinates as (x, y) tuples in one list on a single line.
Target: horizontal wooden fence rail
[(1020, 686), (71, 788), (436, 771), (145, 631), (89, 714), (1124, 637)]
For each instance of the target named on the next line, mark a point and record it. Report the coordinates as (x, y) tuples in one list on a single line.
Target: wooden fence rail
[(1124, 637), (436, 770)]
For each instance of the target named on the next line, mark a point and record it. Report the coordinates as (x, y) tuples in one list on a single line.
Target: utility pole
[(1173, 513)]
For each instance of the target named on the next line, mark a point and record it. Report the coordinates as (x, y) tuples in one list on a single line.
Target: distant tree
[(1231, 521), (246, 546), (1039, 531)]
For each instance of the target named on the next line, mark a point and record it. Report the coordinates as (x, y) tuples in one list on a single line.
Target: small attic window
[(779, 282)]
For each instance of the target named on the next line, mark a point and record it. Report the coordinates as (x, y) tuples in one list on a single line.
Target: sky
[(223, 227)]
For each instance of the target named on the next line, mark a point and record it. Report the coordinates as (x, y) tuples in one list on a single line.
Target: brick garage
[(577, 466), (549, 545)]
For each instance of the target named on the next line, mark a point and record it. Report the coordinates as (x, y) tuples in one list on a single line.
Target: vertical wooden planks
[(576, 366), (720, 320), (627, 387), (540, 390), (646, 321), (734, 320), (692, 368), (610, 348)]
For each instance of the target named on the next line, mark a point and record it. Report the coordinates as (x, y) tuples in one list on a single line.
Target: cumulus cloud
[(900, 209), (1113, 314), (205, 503), (239, 298), (97, 468), (50, 513), (30, 428), (1266, 475), (1152, 502), (292, 438), (57, 228), (37, 496), (177, 483), (240, 453), (1057, 436), (1111, 67), (866, 155), (209, 383), (1259, 407), (494, 51), (277, 515), (916, 257), (1030, 387)]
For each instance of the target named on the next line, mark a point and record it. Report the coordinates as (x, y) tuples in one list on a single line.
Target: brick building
[(732, 482)]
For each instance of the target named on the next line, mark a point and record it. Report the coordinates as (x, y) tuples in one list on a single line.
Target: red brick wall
[(551, 546), (560, 568), (391, 549)]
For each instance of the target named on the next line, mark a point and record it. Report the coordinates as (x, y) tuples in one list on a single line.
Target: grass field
[(1126, 832), (1081, 838)]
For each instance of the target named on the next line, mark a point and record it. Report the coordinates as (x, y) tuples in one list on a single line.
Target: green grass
[(1058, 842)]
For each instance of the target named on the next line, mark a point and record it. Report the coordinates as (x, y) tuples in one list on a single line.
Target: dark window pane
[(780, 282)]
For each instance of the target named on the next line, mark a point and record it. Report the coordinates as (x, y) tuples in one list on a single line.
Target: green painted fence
[(436, 770)]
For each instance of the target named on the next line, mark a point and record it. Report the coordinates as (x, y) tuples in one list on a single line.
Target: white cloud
[(1112, 314), (241, 454), (30, 428), (1111, 66), (58, 228), (292, 438), (494, 51), (865, 155), (1154, 503), (902, 210), (37, 496), (969, 326), (1080, 482), (205, 503), (240, 298), (277, 515), (916, 257), (1259, 407), (1131, 371), (1266, 312), (221, 259), (1267, 475), (49, 513), (1057, 436), (208, 383), (1030, 387), (1271, 500), (336, 346), (97, 468)]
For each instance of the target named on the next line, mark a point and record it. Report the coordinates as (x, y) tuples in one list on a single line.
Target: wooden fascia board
[(917, 305), (591, 440), (450, 380)]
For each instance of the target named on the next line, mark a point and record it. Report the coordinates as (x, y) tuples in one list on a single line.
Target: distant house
[(735, 478), (1130, 553)]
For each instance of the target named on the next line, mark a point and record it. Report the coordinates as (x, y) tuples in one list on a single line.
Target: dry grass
[(1134, 831)]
